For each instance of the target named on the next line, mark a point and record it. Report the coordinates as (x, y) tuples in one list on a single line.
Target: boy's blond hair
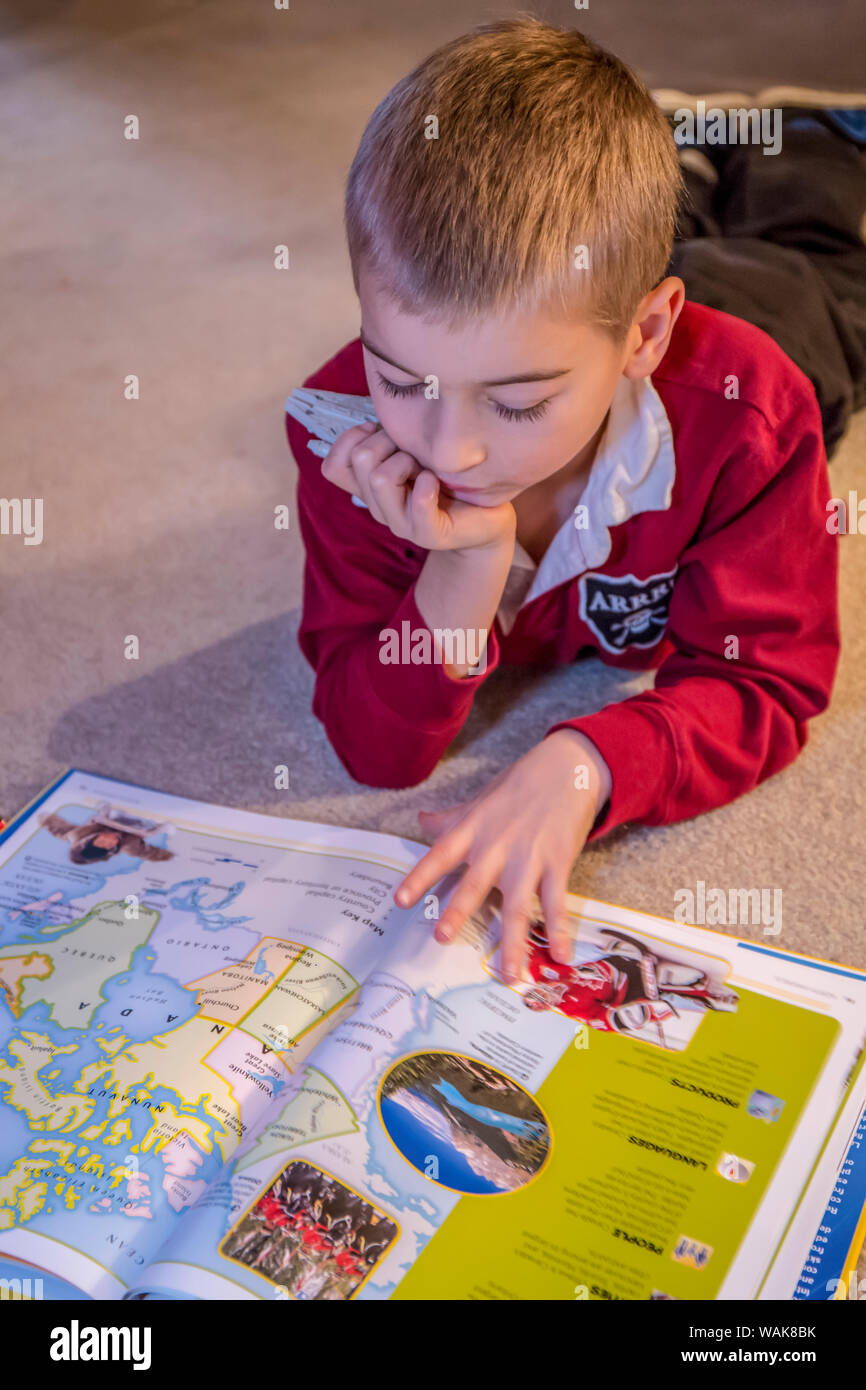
[(546, 143)]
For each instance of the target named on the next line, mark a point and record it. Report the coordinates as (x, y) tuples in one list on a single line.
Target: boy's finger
[(336, 465), (371, 450), (423, 507), (445, 855), (353, 455), (467, 897), (399, 468), (365, 464), (372, 498), (388, 483), (515, 917), (554, 886)]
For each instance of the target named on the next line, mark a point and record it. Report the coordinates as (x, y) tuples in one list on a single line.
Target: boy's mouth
[(459, 490), (479, 497)]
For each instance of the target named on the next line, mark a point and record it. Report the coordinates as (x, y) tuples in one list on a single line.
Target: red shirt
[(589, 994), (272, 1211), (314, 1239), (743, 550)]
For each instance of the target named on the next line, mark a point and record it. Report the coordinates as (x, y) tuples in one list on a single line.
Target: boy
[(569, 459)]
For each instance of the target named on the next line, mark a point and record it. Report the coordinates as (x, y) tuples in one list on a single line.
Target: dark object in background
[(779, 240)]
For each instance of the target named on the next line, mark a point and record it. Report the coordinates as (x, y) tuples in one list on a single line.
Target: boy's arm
[(759, 580), (461, 590), (388, 722)]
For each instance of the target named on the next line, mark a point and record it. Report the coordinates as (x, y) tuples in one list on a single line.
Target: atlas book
[(232, 1068)]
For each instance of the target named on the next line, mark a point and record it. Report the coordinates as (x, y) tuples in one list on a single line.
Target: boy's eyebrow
[(502, 381)]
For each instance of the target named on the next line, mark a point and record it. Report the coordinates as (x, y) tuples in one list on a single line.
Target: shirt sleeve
[(388, 722), (754, 627)]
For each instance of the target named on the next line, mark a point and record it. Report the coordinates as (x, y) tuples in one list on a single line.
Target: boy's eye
[(392, 389), (532, 412), (506, 412)]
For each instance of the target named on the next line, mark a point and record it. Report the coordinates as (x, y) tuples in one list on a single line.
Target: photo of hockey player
[(618, 983), (311, 1235), (463, 1124)]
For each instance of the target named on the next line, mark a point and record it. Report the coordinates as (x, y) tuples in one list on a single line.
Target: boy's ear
[(652, 326)]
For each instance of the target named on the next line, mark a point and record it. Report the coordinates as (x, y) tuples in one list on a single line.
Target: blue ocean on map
[(166, 998)]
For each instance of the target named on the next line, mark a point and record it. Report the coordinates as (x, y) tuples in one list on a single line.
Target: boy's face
[(474, 437)]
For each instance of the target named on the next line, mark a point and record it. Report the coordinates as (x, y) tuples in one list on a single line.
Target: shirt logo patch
[(625, 611)]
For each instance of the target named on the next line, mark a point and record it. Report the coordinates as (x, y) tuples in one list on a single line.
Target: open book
[(232, 1068)]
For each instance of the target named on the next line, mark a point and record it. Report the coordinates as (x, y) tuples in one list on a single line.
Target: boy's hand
[(409, 499), (522, 835)]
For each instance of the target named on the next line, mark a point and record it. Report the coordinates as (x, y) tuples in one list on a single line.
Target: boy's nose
[(454, 456)]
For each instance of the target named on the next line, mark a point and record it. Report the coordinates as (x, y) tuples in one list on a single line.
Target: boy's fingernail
[(402, 896)]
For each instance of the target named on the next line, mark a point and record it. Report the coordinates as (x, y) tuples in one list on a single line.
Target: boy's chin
[(485, 501)]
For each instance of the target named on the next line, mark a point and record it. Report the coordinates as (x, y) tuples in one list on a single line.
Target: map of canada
[(186, 1018), (141, 1037)]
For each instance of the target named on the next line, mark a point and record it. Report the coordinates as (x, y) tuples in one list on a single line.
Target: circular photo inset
[(463, 1124)]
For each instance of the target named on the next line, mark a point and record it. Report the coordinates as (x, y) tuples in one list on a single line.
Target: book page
[(637, 1125), (165, 968), (223, 1046)]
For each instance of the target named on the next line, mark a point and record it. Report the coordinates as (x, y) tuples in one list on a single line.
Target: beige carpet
[(155, 258)]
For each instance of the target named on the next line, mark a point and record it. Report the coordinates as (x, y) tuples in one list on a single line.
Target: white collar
[(633, 471)]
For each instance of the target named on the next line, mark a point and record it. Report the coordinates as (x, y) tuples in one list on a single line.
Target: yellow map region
[(23, 1189), (279, 993), (131, 1077), (177, 1060), (15, 970), (101, 945), (319, 1110), (230, 993), (26, 1090)]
